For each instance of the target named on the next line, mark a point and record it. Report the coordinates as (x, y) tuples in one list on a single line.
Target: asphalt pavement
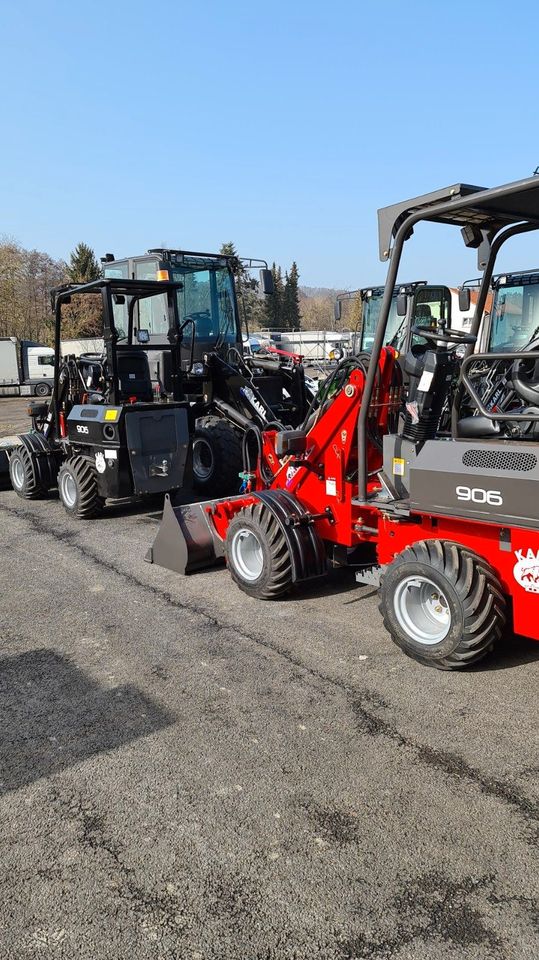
[(188, 773)]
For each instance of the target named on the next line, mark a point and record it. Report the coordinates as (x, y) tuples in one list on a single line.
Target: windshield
[(515, 317), (431, 308), (371, 315), (207, 295)]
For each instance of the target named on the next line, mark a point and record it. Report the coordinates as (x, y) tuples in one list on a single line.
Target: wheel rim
[(246, 554), (17, 473), (422, 610), (42, 390), (202, 459), (68, 489)]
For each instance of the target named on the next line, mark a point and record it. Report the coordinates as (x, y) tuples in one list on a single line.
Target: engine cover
[(492, 480)]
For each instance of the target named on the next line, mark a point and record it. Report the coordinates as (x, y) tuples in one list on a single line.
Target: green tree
[(228, 249), (291, 316), (83, 265), (275, 303), (251, 306), (83, 317)]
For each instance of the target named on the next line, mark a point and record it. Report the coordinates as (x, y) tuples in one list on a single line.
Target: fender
[(45, 458), (307, 550)]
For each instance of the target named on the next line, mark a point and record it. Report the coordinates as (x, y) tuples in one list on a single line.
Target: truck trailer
[(26, 368)]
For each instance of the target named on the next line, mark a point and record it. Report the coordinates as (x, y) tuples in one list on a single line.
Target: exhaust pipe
[(186, 540)]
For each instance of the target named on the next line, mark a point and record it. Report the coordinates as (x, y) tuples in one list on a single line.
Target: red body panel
[(515, 560)]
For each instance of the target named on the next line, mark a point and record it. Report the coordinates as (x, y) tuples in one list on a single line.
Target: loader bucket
[(186, 540)]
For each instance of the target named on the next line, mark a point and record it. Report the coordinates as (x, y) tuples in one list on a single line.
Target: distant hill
[(328, 293)]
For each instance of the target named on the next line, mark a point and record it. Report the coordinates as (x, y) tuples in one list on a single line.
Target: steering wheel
[(448, 336), (525, 381)]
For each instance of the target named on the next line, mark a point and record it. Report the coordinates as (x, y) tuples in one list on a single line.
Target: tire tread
[(279, 578), (478, 589), (90, 503)]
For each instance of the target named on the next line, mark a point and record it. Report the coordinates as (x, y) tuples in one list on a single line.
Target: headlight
[(197, 369)]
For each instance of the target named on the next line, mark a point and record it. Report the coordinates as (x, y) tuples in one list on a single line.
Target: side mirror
[(464, 299), (119, 299), (337, 310), (402, 304), (143, 336), (266, 282)]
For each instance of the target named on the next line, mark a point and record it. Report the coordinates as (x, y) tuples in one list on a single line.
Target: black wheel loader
[(171, 336), (235, 394), (106, 432)]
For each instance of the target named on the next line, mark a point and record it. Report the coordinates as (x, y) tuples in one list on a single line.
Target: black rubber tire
[(474, 596), (223, 443), (276, 575), (42, 390), (88, 505), (32, 487)]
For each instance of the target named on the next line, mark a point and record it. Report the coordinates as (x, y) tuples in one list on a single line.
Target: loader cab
[(411, 303), (206, 298), (207, 302)]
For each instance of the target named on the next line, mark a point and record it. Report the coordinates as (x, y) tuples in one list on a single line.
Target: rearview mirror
[(266, 282), (402, 304), (337, 309), (465, 299)]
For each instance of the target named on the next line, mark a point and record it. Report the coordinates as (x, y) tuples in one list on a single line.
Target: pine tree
[(83, 317), (228, 249), (291, 311), (275, 302), (249, 306), (83, 265)]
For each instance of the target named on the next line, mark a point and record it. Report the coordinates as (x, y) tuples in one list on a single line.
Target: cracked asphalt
[(189, 773)]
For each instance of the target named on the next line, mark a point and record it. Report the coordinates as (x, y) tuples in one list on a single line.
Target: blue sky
[(283, 128)]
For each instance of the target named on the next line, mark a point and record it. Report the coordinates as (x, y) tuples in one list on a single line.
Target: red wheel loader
[(453, 521)]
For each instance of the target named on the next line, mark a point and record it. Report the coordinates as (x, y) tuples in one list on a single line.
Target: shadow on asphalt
[(512, 651), (149, 508), (52, 715), (332, 584)]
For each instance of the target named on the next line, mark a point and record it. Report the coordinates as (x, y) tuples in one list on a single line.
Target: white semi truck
[(26, 368)]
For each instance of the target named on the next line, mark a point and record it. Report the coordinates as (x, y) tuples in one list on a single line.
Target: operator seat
[(134, 376), (423, 313), (478, 428)]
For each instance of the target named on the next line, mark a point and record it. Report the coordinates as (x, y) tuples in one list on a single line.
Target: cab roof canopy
[(481, 212), (376, 290)]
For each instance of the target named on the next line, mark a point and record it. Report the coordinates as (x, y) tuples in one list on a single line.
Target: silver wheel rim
[(202, 459), (422, 610), (68, 489), (246, 554), (17, 473)]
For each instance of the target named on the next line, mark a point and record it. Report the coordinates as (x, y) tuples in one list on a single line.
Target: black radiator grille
[(500, 460)]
